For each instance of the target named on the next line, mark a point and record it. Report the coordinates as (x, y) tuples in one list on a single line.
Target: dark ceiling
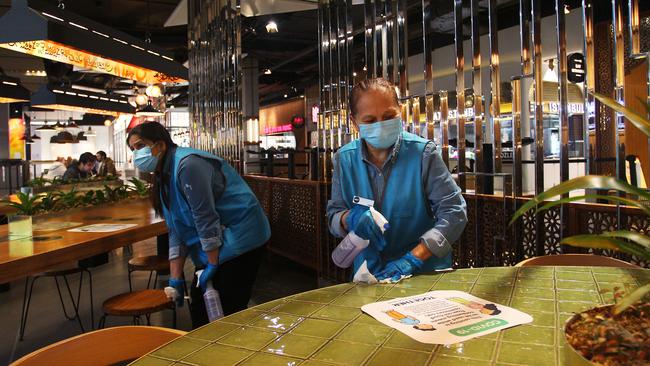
[(291, 53)]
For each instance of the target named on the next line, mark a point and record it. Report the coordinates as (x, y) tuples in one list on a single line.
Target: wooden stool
[(111, 346), (151, 263), (57, 274), (137, 304)]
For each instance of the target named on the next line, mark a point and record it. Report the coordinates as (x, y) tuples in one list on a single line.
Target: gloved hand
[(207, 275), (179, 286), (360, 221), (405, 266)]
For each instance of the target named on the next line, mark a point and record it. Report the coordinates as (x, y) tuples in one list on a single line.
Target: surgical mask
[(382, 134), (144, 160)]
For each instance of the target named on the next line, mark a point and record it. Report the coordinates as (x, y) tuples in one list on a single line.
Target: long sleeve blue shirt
[(202, 183), (445, 198)]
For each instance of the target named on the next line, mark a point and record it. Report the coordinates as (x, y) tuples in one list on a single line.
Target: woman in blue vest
[(407, 180), (212, 216)]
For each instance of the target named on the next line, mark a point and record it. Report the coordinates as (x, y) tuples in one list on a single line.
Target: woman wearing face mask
[(407, 180), (211, 214)]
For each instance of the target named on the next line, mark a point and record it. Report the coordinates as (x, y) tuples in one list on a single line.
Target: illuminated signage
[(278, 129), (314, 113), (58, 52)]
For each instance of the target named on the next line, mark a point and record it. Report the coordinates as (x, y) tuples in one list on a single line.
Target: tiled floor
[(46, 324)]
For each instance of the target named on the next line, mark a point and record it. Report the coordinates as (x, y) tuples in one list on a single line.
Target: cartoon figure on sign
[(408, 320), (489, 309)]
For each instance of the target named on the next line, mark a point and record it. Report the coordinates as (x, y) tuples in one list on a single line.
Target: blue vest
[(246, 226), (404, 203)]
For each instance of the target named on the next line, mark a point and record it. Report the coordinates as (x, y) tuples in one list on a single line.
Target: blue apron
[(404, 203), (246, 226)]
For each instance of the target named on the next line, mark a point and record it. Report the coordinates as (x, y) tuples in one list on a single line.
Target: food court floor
[(46, 324)]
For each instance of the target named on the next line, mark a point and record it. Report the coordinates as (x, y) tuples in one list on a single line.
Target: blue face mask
[(144, 160), (382, 134)]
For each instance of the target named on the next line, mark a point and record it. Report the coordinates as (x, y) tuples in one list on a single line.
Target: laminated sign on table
[(445, 317)]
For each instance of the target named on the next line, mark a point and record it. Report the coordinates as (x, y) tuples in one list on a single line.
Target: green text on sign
[(479, 327)]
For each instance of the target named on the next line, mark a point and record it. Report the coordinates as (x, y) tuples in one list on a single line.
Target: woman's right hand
[(360, 220), (178, 285)]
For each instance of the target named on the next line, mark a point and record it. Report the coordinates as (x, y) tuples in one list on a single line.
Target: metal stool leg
[(75, 306), (155, 281), (58, 290), (27, 299), (90, 287), (149, 280), (174, 317), (130, 285), (102, 322)]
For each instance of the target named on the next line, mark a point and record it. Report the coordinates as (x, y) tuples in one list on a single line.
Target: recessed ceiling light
[(271, 27), (285, 95), (267, 72)]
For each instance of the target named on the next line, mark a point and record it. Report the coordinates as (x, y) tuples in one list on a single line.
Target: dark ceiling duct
[(11, 90), (43, 30), (61, 98)]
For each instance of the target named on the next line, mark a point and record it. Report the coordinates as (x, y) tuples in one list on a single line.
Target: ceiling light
[(59, 126), (566, 9), (45, 127), (108, 123), (90, 131), (285, 95), (153, 91), (12, 91), (38, 73), (365, 68), (354, 74), (35, 137), (267, 72), (149, 111), (141, 99), (43, 30), (271, 27), (54, 97), (71, 123)]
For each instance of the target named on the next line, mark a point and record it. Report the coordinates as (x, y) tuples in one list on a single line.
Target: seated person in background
[(106, 165), (82, 168), (57, 169)]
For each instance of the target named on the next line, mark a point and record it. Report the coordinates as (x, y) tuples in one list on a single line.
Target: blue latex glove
[(179, 286), (405, 266), (360, 221), (207, 275)]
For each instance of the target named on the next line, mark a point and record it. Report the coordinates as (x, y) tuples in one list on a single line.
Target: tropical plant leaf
[(586, 182), (624, 200), (608, 243), (629, 235), (636, 119), (630, 299)]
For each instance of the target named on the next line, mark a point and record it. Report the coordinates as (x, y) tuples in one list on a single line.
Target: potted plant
[(616, 334)]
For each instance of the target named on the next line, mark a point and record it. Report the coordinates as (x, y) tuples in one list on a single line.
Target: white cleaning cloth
[(363, 275)]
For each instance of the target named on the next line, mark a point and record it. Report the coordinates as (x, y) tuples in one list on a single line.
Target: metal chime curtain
[(214, 33)]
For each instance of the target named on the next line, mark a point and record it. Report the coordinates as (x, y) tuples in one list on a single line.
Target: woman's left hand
[(208, 273), (405, 266)]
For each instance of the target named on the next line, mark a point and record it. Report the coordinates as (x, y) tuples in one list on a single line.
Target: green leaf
[(586, 182), (636, 119), (630, 299), (605, 241), (629, 235), (624, 200)]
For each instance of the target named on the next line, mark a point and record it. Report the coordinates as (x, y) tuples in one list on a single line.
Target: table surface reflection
[(52, 247), (327, 327)]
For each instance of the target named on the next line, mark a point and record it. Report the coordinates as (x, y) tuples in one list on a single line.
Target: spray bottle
[(344, 254), (211, 299)]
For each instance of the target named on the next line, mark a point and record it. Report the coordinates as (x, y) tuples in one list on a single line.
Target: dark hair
[(87, 157), (493, 307), (102, 154), (155, 132), (368, 84)]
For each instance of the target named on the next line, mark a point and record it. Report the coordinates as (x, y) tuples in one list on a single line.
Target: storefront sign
[(576, 66), (278, 129)]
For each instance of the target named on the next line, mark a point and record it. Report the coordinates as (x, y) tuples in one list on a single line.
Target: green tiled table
[(326, 326)]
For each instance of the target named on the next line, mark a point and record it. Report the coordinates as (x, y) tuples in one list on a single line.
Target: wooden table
[(326, 326), (47, 249)]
